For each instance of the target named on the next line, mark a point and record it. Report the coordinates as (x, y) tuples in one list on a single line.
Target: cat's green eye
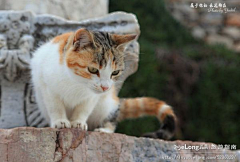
[(92, 70), (116, 72)]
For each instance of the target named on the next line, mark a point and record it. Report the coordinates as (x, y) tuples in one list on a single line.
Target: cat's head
[(97, 58)]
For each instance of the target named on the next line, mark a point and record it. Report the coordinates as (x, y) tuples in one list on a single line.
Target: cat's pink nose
[(104, 88)]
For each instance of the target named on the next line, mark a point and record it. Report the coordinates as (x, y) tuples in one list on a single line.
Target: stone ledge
[(27, 144)]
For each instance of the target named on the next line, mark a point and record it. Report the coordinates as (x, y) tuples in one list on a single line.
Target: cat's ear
[(121, 40), (82, 38)]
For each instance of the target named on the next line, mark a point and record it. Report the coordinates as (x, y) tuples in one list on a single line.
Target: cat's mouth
[(98, 91)]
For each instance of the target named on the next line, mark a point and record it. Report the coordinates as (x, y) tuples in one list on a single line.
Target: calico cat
[(74, 77)]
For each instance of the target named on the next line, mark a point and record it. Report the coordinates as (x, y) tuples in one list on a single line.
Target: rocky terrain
[(28, 144)]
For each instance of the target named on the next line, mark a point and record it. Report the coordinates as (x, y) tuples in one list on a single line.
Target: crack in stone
[(80, 136), (58, 150), (7, 152), (119, 155), (77, 139)]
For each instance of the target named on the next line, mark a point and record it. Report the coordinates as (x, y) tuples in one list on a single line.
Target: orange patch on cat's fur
[(165, 113), (113, 65), (72, 65), (62, 40), (152, 105), (111, 58), (83, 74), (149, 106), (137, 104), (129, 112), (79, 62)]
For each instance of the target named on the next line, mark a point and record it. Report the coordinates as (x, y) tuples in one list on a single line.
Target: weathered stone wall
[(48, 145), (68, 9), (210, 26), (20, 34)]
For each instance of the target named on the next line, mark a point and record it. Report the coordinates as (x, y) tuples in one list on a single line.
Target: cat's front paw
[(79, 124), (105, 130), (61, 123)]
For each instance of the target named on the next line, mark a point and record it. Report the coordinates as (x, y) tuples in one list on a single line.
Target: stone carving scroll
[(20, 34), (15, 60)]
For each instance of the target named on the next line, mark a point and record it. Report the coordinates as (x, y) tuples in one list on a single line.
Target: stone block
[(70, 9), (67, 145)]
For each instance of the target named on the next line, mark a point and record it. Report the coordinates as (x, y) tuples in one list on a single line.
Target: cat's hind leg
[(110, 122), (108, 127)]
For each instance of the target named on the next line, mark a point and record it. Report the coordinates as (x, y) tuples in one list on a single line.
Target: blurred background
[(189, 57)]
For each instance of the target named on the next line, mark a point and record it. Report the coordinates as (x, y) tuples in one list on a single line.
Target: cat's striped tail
[(145, 106)]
